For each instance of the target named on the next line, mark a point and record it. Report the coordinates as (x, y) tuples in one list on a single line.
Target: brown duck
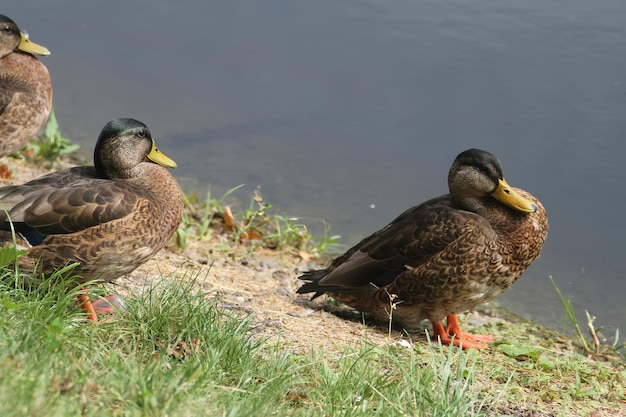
[(25, 88), (444, 256), (109, 218)]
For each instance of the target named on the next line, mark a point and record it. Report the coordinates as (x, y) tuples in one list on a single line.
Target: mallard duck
[(110, 218), (25, 88), (444, 256)]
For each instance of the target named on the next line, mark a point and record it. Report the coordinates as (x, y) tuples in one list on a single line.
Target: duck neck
[(473, 204), (497, 214)]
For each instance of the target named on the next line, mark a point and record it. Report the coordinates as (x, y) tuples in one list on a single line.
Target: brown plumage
[(444, 256), (25, 88), (110, 218)]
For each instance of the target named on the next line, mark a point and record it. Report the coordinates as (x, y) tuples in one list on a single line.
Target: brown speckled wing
[(66, 201), (410, 240)]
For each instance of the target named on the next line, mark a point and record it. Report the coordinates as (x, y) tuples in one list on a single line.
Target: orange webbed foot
[(108, 304), (453, 334)]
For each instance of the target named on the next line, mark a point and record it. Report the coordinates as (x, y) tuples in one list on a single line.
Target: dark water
[(353, 111)]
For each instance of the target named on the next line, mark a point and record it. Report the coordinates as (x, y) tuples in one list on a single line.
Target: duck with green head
[(444, 256), (109, 218)]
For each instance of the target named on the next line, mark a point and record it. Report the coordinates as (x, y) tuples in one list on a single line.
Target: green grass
[(51, 145), (591, 344), (273, 231), (172, 352), (199, 215)]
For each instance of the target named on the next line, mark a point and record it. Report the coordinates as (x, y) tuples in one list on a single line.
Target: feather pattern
[(444, 256), (25, 88), (109, 225)]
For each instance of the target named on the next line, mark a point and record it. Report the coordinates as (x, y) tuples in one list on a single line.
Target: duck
[(108, 219), (25, 88), (442, 257)]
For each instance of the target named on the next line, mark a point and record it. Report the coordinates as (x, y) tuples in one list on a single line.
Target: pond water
[(352, 111)]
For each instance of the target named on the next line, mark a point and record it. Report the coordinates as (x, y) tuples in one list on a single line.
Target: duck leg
[(454, 335), (87, 307)]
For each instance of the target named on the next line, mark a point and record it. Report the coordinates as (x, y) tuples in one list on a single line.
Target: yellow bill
[(27, 45), (507, 195), (160, 158)]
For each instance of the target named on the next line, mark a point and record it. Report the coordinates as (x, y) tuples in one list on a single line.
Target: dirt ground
[(261, 285)]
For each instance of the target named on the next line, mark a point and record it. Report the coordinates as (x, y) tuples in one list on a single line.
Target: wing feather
[(409, 241), (66, 201)]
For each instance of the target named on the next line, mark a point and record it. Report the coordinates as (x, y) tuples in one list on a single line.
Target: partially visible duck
[(25, 88)]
